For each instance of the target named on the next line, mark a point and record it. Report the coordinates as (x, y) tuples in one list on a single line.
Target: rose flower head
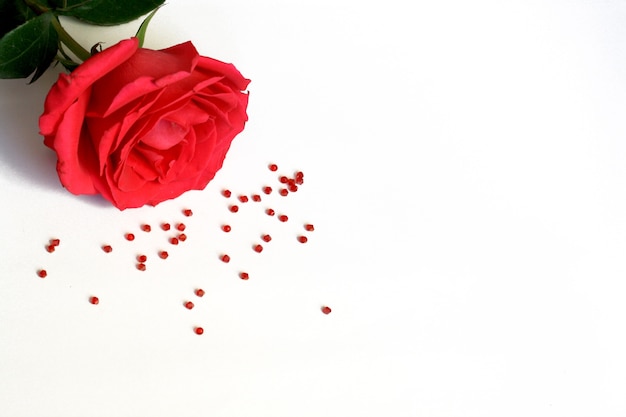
[(142, 126)]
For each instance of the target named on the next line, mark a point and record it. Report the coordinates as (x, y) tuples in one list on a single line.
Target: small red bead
[(270, 212), (199, 330), (94, 300), (283, 192), (55, 242), (283, 179), (199, 292), (42, 273), (181, 226), (299, 181), (273, 167), (309, 227), (256, 197), (146, 227), (234, 208), (258, 248), (244, 276), (189, 305), (293, 188), (187, 212), (283, 218), (182, 237), (165, 226), (141, 266), (226, 193), (267, 190), (50, 248), (326, 310), (243, 198), (129, 236), (225, 258), (174, 241), (226, 228), (107, 248), (163, 254), (266, 238), (142, 258), (302, 239)]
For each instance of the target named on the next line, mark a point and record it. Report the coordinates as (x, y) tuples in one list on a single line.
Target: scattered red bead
[(283, 191), (163, 254), (244, 276), (141, 266), (226, 193), (273, 167), (142, 258), (165, 226), (302, 239), (299, 178), (225, 258), (189, 305), (200, 292), (326, 310), (283, 180), (283, 218), (174, 241), (129, 236), (181, 227), (234, 208), (55, 242), (309, 227), (226, 228), (107, 248), (266, 238), (258, 248), (199, 330), (243, 198), (187, 212), (94, 300), (50, 248), (270, 212), (146, 228), (293, 188), (256, 197), (267, 190), (42, 273), (182, 237)]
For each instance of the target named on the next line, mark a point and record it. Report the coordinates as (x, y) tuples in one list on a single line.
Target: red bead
[(299, 181), (146, 227), (181, 226), (163, 254), (107, 248), (199, 292), (273, 167), (225, 258), (270, 212), (94, 300), (141, 266), (326, 310), (244, 276), (199, 330), (189, 305), (267, 190), (243, 198), (299, 178), (258, 248), (165, 226), (182, 237), (142, 258), (234, 208), (283, 192), (256, 197), (174, 241), (283, 218), (226, 228), (55, 242), (283, 179), (129, 236), (266, 238), (42, 273), (50, 248), (226, 193), (302, 239), (187, 212), (309, 227), (293, 188)]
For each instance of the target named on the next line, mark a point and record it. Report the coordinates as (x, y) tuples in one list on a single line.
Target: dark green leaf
[(12, 14), (106, 12), (141, 33), (27, 48)]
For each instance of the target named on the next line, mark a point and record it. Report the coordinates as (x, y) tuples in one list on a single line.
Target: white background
[(465, 171)]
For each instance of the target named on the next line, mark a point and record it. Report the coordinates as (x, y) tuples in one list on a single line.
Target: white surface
[(465, 170)]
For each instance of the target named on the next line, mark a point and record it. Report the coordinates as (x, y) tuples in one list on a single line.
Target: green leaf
[(141, 33), (106, 12), (12, 14), (30, 47)]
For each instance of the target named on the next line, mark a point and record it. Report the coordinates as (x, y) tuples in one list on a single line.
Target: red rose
[(141, 126)]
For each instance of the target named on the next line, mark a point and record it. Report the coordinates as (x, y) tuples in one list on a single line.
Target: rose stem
[(71, 44)]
